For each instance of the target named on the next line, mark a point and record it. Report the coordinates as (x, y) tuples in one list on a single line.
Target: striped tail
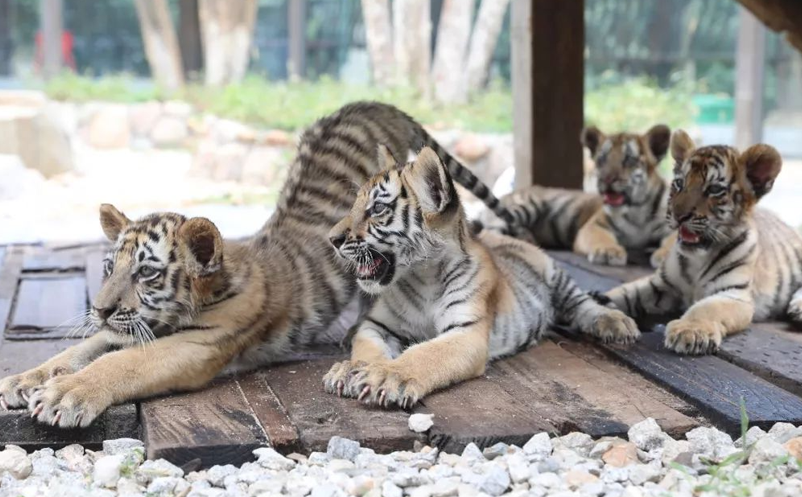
[(468, 180)]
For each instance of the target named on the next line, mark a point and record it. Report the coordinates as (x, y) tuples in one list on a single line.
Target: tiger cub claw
[(613, 326), (608, 256), (693, 337)]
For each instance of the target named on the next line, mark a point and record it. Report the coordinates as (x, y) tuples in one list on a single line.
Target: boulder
[(109, 127), (169, 132)]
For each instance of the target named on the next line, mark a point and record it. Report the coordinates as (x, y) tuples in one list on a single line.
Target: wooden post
[(296, 22), (750, 60), (548, 91), (50, 26)]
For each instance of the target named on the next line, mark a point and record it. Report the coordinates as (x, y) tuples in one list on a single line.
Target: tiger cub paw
[(608, 256), (69, 401), (16, 390), (613, 326), (795, 313), (337, 380), (384, 384), (696, 337), (658, 256)]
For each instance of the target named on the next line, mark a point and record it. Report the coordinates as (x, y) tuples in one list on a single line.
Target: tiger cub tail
[(468, 180)]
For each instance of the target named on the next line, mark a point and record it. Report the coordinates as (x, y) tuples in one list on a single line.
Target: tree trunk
[(161, 44), (227, 31), (449, 56), (378, 32), (483, 41), (51, 23), (189, 39), (412, 31)]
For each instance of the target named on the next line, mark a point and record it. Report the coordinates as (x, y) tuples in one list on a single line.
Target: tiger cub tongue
[(687, 235), (614, 199)]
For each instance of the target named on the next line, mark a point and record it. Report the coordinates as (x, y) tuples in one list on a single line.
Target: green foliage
[(611, 104), (636, 104)]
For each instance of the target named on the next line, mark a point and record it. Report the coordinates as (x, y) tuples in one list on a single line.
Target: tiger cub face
[(400, 217), (154, 274), (715, 189), (626, 163)]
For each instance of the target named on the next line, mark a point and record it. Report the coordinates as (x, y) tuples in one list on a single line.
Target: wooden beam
[(296, 22), (51, 27), (780, 16), (750, 63), (189, 38), (548, 88)]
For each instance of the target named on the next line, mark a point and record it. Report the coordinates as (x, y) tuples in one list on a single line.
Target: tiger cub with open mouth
[(733, 263), (447, 302)]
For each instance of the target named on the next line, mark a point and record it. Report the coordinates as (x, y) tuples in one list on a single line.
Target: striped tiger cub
[(199, 304), (447, 302), (733, 263), (629, 214)]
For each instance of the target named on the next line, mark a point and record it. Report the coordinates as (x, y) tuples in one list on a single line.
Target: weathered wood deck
[(567, 383)]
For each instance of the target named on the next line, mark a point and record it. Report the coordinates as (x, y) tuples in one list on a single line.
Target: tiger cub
[(733, 263), (446, 302), (200, 304), (628, 214)]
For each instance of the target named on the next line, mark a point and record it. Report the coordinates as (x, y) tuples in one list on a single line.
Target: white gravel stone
[(518, 467), (710, 442), (217, 474), (753, 434), (766, 450), (270, 459), (580, 443), (641, 473), (390, 489), (151, 470), (420, 423), (122, 446), (15, 463), (342, 448), (472, 453), (107, 470), (168, 486), (539, 445), (496, 450), (647, 435)]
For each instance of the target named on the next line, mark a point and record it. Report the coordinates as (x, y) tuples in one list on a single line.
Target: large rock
[(16, 463), (32, 130), (144, 116), (109, 127), (169, 132)]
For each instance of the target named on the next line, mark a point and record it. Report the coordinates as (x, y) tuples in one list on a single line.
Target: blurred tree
[(161, 44), (379, 37), (453, 33), (189, 38), (412, 42), (483, 41), (227, 32)]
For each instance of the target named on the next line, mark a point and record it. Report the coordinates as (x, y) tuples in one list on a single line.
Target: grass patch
[(613, 105)]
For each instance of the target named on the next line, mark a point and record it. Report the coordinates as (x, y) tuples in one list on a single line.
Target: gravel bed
[(650, 463)]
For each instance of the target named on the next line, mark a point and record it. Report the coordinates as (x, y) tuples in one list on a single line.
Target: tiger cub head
[(400, 217), (154, 275), (626, 164), (715, 189)]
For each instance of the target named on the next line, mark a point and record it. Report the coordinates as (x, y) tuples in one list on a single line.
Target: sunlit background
[(141, 104)]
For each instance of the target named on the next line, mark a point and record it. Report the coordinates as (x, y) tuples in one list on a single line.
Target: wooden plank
[(319, 416), (712, 384), (770, 351), (46, 259), (638, 268), (17, 427), (9, 279), (214, 425), (558, 49), (271, 414), (47, 303)]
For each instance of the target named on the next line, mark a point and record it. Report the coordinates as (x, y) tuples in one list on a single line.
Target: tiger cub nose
[(337, 240), (105, 312)]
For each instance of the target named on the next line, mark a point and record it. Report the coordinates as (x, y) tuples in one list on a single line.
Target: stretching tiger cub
[(206, 303), (460, 300), (733, 263), (629, 213)]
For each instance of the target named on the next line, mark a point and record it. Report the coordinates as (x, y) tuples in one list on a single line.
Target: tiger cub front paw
[(15, 390), (613, 326), (658, 256), (608, 256), (795, 313), (688, 336)]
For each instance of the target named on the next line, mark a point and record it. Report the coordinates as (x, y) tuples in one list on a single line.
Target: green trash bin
[(714, 109)]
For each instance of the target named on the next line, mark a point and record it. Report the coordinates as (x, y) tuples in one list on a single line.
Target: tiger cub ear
[(658, 137), (762, 163), (112, 221), (681, 146), (202, 246), (592, 137), (386, 158), (431, 182)]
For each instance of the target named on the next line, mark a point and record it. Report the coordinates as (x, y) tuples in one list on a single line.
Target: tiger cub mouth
[(379, 267)]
